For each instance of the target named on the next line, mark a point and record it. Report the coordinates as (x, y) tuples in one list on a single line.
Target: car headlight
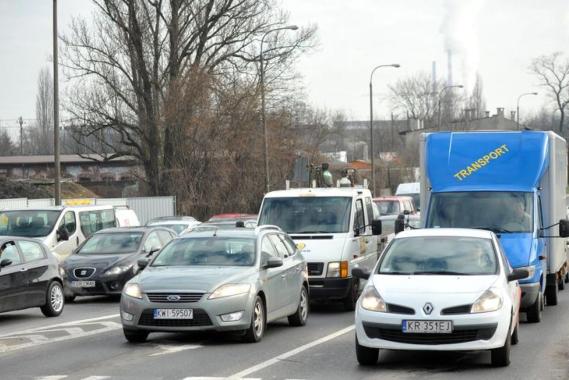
[(489, 301), (337, 269), (229, 290), (118, 270), (371, 300), (530, 269), (133, 290)]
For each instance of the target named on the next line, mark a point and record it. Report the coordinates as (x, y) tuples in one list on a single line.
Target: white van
[(334, 229), (61, 228), (413, 190)]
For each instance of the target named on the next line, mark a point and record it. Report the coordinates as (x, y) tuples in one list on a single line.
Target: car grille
[(462, 309), (398, 309), (200, 319), (183, 297), (457, 336), (315, 269), (83, 272)]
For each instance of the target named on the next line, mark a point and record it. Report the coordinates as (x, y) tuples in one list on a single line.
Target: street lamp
[(263, 119), (395, 65), (57, 181), (518, 107), (439, 98)]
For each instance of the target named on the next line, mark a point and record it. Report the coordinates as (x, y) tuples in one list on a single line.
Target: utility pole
[(21, 122), (57, 180)]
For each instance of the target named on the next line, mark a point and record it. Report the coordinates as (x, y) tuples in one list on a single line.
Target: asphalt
[(86, 342)]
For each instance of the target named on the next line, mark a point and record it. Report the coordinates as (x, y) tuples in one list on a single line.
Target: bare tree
[(416, 96), (552, 72), (7, 147)]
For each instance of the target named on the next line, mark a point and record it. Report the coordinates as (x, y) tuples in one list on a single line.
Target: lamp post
[(395, 65), (263, 118), (57, 181), (518, 107), (439, 98)]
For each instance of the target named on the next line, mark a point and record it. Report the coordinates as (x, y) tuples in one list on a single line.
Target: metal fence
[(146, 208)]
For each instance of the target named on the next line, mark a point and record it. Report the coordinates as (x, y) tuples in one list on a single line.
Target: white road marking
[(175, 348), (96, 378), (54, 377), (218, 378), (290, 353)]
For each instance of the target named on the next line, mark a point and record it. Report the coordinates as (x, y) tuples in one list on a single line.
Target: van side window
[(69, 222), (96, 220), (369, 209), (359, 222)]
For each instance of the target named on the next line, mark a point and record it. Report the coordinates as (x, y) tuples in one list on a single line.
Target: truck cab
[(335, 230)]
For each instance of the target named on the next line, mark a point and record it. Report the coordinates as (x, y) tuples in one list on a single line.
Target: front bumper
[(329, 288), (530, 293), (206, 314), (474, 332), (104, 285)]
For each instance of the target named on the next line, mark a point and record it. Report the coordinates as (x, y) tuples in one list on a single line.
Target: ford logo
[(173, 298)]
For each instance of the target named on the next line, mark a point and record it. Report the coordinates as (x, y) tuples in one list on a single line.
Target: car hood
[(518, 248), (191, 279), (321, 247), (99, 261)]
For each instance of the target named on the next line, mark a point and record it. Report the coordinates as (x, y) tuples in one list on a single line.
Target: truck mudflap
[(530, 292)]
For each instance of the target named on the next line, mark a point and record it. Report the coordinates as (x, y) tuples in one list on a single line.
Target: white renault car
[(439, 290)]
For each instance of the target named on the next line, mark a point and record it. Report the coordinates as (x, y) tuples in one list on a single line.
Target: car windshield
[(208, 251), (308, 214), (29, 223), (439, 256), (388, 207), (501, 212), (111, 243), (176, 227)]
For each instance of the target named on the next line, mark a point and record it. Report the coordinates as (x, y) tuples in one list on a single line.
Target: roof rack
[(267, 227)]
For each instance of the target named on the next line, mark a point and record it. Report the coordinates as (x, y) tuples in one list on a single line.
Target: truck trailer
[(512, 183)]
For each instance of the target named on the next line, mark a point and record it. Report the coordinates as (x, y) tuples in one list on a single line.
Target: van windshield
[(501, 212), (28, 223), (308, 215)]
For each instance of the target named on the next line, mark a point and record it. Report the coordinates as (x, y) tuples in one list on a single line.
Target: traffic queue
[(486, 252)]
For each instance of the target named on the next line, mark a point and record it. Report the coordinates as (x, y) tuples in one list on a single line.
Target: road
[(86, 342)]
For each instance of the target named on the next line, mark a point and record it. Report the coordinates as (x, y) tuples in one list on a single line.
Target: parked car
[(225, 280), (440, 290), (108, 259), (180, 224), (61, 229), (29, 277)]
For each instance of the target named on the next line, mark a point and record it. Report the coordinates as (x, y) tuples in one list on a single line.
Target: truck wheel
[(352, 297), (366, 355), (566, 277), (501, 356), (552, 294), (561, 284), (533, 312)]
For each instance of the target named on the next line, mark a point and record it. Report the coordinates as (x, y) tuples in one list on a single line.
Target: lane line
[(290, 353), (63, 324), (54, 377), (166, 350), (96, 378)]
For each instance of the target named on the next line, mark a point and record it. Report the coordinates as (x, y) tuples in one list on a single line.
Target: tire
[(301, 315), (552, 294), (366, 355), (561, 284), (135, 336), (515, 335), (566, 279), (258, 324), (55, 300), (70, 299), (534, 311), (350, 301), (501, 356)]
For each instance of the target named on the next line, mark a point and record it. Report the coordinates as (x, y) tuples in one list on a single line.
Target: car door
[(514, 289), (12, 279), (288, 269), (273, 279), (36, 265), (64, 248), (297, 264)]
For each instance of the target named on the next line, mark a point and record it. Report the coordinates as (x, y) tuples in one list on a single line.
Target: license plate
[(83, 284), (173, 314), (427, 327)]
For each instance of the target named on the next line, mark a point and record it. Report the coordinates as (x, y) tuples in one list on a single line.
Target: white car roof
[(319, 192), (452, 232)]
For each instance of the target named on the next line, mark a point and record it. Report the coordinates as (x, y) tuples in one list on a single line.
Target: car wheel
[(533, 312), (551, 295), (515, 334), (135, 336), (352, 297), (366, 355), (256, 329), (301, 315), (54, 300), (501, 356)]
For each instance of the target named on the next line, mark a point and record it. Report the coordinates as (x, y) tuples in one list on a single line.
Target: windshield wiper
[(441, 272), (397, 273)]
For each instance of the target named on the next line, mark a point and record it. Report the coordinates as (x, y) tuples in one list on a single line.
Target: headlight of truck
[(371, 300), (133, 290), (337, 269), (530, 269), (487, 302), (229, 290)]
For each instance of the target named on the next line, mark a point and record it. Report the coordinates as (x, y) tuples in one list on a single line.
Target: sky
[(495, 38)]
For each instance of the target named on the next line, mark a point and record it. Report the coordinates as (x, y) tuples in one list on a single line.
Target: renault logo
[(428, 308), (173, 298)]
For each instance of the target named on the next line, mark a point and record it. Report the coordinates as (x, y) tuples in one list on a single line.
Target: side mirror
[(142, 263), (518, 274), (360, 273), (564, 228), (62, 234), (399, 223), (5, 263), (376, 227), (273, 262)]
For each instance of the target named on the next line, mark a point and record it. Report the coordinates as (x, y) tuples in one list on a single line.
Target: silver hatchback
[(225, 280)]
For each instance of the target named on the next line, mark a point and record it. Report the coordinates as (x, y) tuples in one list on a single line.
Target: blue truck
[(510, 182)]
